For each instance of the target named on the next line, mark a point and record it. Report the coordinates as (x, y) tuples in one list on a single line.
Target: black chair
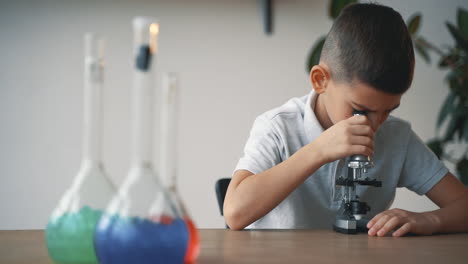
[(221, 187)]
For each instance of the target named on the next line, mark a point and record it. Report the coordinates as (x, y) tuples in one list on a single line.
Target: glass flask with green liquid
[(142, 224), (70, 231)]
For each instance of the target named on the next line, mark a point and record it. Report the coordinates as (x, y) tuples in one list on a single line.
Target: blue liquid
[(136, 240)]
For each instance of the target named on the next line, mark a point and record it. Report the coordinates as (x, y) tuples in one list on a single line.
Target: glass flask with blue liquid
[(142, 224)]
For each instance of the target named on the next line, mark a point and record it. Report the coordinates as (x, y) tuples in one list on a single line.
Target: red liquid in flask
[(163, 219), (193, 248)]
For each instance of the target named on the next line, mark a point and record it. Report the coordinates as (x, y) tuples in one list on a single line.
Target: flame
[(154, 29)]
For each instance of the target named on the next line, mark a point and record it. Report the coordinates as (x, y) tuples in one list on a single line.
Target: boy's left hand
[(402, 222)]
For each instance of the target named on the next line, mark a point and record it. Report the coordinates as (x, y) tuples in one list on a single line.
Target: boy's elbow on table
[(233, 218)]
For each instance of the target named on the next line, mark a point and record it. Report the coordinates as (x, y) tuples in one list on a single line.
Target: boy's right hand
[(347, 137)]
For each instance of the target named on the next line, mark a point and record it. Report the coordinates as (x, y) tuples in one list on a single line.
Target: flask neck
[(145, 38), (92, 109), (142, 118), (168, 140)]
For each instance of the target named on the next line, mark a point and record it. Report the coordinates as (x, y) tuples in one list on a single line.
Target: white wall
[(230, 72)]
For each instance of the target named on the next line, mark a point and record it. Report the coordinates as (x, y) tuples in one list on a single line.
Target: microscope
[(349, 219)]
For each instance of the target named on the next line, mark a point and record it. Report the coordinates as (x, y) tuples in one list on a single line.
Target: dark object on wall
[(267, 13)]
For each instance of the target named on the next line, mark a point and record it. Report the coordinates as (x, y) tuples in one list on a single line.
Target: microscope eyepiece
[(357, 112)]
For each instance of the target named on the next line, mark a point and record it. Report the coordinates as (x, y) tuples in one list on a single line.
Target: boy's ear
[(319, 78)]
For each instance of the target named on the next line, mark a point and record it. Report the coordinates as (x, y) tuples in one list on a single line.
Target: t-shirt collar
[(312, 126)]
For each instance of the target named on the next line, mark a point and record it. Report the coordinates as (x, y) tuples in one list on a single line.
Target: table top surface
[(279, 246)]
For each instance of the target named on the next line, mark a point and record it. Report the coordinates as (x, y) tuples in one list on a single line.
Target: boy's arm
[(250, 197), (452, 198)]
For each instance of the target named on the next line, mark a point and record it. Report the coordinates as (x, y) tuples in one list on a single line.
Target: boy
[(286, 178)]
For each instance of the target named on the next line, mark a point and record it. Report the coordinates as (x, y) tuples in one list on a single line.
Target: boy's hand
[(347, 137), (402, 222)]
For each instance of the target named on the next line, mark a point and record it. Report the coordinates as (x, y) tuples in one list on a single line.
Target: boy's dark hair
[(370, 43)]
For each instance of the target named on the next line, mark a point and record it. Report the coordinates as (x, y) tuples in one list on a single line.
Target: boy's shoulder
[(291, 109), (394, 133), (393, 122)]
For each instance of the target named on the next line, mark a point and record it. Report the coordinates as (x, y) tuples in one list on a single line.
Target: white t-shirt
[(400, 159)]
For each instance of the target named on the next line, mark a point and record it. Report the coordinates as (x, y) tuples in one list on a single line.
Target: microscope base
[(350, 226), (344, 231)]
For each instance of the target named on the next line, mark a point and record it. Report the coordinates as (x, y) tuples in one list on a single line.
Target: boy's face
[(340, 100)]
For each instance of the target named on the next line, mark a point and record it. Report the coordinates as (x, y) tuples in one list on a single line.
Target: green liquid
[(70, 237)]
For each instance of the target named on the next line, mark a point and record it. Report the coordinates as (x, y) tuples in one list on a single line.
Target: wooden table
[(279, 246)]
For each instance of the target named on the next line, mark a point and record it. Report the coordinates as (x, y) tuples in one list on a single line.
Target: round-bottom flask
[(142, 224), (168, 157), (70, 231)]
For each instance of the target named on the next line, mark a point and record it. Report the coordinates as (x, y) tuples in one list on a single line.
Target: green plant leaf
[(458, 81), (461, 126), (462, 21), (456, 122), (436, 146), (463, 85), (422, 52), (451, 129), (413, 23), (465, 129), (453, 78), (446, 108), (444, 61), (314, 56), (337, 5), (462, 170), (461, 41)]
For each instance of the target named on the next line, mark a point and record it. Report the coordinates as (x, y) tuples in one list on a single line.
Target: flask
[(141, 224), (168, 157), (70, 230)]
